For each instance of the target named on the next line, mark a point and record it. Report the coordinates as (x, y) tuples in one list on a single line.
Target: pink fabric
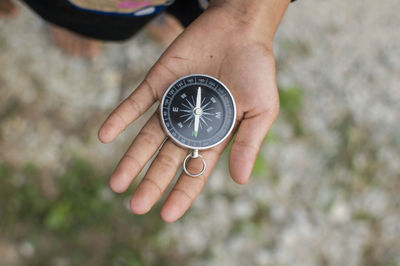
[(133, 5)]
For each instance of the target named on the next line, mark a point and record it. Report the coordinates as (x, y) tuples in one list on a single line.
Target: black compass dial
[(198, 111)]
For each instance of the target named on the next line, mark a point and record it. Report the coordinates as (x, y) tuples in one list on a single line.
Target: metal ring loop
[(186, 170)]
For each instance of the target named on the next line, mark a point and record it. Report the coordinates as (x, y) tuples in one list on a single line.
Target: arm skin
[(232, 41)]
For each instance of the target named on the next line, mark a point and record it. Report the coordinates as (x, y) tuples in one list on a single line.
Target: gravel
[(329, 197)]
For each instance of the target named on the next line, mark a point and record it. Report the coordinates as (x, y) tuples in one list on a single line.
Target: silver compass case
[(216, 113)]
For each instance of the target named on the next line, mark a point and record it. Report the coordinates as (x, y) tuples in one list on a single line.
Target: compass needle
[(197, 112)]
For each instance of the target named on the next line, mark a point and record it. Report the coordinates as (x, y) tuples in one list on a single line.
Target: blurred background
[(325, 187)]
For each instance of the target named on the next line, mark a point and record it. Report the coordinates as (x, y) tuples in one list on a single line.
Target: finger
[(139, 153), (250, 135), (149, 91), (127, 112), (160, 174), (188, 188)]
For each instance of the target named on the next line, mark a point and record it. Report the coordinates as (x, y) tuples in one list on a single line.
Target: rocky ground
[(326, 185)]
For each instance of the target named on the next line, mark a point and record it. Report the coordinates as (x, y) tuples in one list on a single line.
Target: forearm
[(259, 18)]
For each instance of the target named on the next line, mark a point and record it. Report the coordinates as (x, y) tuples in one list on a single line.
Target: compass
[(198, 112)]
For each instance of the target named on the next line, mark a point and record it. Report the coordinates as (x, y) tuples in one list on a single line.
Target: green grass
[(11, 108), (77, 205), (260, 166), (291, 99), (77, 223), (291, 102), (363, 216)]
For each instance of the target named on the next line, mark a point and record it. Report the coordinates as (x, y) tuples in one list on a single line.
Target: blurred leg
[(74, 44), (7, 8), (164, 29)]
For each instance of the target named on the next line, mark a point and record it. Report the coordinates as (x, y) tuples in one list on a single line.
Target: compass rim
[(178, 142)]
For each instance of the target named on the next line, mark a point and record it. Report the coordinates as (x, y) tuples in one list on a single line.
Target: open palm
[(214, 46)]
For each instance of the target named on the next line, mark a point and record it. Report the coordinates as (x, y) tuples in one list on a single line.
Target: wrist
[(257, 19)]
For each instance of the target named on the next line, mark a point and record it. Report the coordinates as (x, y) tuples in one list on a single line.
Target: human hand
[(216, 44)]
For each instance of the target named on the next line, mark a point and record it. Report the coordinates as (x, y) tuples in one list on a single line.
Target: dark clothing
[(105, 26)]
